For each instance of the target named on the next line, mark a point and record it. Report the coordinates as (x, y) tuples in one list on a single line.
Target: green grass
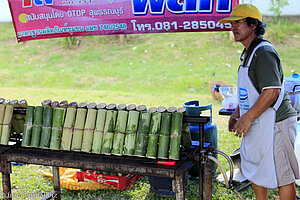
[(155, 70)]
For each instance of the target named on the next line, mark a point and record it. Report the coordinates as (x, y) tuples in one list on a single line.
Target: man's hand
[(264, 101), (242, 125), (232, 121)]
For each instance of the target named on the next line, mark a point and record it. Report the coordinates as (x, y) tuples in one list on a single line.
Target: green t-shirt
[(265, 71)]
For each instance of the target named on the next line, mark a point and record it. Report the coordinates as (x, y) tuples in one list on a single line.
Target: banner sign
[(41, 19)]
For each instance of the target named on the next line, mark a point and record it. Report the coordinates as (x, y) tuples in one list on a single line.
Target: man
[(264, 118)]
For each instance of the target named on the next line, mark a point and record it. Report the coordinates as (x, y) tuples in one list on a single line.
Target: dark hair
[(260, 27)]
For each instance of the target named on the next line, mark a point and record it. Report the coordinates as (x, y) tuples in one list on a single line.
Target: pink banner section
[(41, 19)]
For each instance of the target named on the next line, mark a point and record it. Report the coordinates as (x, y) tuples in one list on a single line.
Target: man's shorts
[(285, 159)]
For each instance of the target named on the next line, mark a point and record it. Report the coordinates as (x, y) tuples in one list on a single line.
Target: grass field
[(155, 70)]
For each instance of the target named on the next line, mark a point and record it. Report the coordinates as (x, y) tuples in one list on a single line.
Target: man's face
[(241, 30)]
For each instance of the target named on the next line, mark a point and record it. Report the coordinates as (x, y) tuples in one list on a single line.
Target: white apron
[(257, 153)]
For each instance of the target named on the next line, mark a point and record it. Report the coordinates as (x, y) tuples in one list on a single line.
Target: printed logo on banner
[(157, 7), (29, 3)]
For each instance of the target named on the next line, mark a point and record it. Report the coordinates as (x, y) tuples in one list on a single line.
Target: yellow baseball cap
[(241, 11)]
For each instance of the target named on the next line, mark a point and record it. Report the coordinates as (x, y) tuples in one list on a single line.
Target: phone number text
[(186, 25)]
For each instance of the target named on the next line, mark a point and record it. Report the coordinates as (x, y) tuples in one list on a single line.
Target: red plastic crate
[(118, 182)]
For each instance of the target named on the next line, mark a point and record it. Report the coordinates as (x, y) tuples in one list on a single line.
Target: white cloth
[(257, 153)]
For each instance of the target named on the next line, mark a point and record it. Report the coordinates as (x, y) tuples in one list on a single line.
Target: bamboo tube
[(92, 105), (101, 106), (78, 129), (109, 128), (26, 139), (46, 102), (161, 109), (164, 137), (111, 106), (186, 139), (2, 112), (120, 129), (172, 109), (72, 105), (153, 133), (121, 107), (141, 108), (63, 104), (6, 101), (89, 127), (131, 107), (82, 105), (175, 140), (130, 137), (55, 104), (7, 124), (15, 124), (99, 128), (68, 127), (37, 126), (58, 122), (21, 117), (142, 134), (47, 127)]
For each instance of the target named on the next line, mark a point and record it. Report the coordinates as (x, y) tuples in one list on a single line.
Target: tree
[(276, 8)]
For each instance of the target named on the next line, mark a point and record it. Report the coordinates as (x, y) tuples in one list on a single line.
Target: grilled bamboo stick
[(58, 121), (37, 126), (7, 124), (142, 133), (68, 129), (186, 139), (78, 129), (47, 127), (176, 129), (120, 129), (109, 128), (153, 133), (27, 133), (89, 127), (131, 129), (99, 128), (164, 137)]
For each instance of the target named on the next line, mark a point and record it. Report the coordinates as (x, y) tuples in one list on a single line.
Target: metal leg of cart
[(6, 170)]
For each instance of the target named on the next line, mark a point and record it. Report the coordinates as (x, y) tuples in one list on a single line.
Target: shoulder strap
[(263, 43), (281, 95)]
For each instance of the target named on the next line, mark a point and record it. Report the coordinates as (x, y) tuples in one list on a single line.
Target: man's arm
[(265, 100)]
